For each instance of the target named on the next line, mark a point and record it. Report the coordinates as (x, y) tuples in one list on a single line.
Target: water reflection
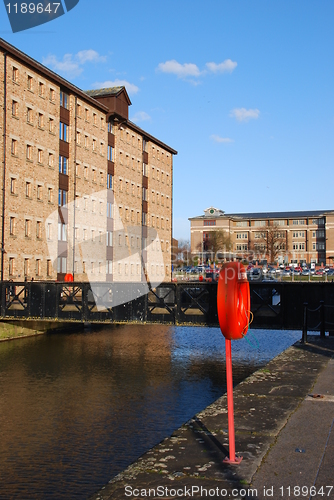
[(78, 408)]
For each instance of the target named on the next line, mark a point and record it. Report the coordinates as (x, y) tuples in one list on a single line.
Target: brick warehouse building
[(283, 237), (84, 190)]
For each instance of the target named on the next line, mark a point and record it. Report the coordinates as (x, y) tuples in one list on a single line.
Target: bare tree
[(217, 241), (183, 252), (271, 241)]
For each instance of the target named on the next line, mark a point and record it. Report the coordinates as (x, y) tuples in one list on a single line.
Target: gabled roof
[(109, 91)]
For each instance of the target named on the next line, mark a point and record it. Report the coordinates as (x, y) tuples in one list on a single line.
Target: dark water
[(76, 409)]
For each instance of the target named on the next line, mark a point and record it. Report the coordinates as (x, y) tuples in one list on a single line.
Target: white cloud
[(180, 70), (187, 70), (225, 67), (140, 116), (130, 87), (71, 65), (219, 139), (244, 115), (90, 56)]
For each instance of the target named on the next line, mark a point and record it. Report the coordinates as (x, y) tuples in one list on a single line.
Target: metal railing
[(274, 305), (318, 319)]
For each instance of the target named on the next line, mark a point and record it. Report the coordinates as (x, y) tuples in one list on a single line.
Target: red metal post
[(229, 381)]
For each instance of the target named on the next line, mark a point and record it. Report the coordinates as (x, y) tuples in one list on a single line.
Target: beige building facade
[(281, 237), (84, 190)]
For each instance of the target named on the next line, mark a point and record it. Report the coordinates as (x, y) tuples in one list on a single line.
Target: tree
[(271, 240), (216, 242), (183, 252)]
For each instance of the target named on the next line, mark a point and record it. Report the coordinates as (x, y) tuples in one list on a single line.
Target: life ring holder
[(233, 301)]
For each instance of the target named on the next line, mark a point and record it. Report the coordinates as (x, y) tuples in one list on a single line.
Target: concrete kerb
[(193, 456)]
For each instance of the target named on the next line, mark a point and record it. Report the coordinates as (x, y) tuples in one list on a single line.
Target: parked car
[(306, 272)]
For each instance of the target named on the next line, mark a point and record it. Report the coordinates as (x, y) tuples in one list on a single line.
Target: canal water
[(76, 409)]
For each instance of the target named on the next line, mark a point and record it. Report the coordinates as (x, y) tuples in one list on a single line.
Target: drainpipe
[(75, 180), (4, 167)]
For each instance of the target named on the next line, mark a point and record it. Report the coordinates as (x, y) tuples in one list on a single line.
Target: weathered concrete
[(274, 417), (10, 330)]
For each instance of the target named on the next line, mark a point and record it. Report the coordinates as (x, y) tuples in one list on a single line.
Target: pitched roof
[(114, 91)]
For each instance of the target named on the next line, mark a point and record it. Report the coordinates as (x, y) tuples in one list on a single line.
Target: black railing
[(319, 318), (274, 305)]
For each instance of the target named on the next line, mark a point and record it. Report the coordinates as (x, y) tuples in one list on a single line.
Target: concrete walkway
[(285, 436)]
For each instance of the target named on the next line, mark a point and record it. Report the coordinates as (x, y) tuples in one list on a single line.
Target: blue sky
[(243, 90)]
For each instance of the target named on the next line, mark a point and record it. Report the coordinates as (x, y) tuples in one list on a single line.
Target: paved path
[(286, 439)]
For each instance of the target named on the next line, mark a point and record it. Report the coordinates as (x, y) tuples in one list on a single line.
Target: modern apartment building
[(84, 190), (283, 237)]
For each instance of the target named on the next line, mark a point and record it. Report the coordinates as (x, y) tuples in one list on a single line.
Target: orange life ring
[(233, 301), (68, 277)]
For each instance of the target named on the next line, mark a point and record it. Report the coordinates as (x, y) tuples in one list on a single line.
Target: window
[(94, 118), (48, 267), (38, 267), (28, 189), (86, 114), (144, 219), (79, 110), (259, 223), (41, 89), (63, 131), (63, 165), (50, 195), (29, 115), (11, 266), (40, 120), (86, 173), (209, 223), (62, 264), (12, 225), (144, 145), (109, 238), (50, 160), (94, 144), (13, 185), (39, 192), (40, 156), (145, 194), (29, 83), (110, 127), (14, 147), (26, 267), (51, 125), (27, 228), (62, 232), (86, 141), (62, 197), (49, 231), (64, 100), (145, 169), (15, 75), (78, 138), (108, 266), (242, 223), (110, 153), (38, 229), (109, 181), (109, 210), (52, 95), (14, 108)]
